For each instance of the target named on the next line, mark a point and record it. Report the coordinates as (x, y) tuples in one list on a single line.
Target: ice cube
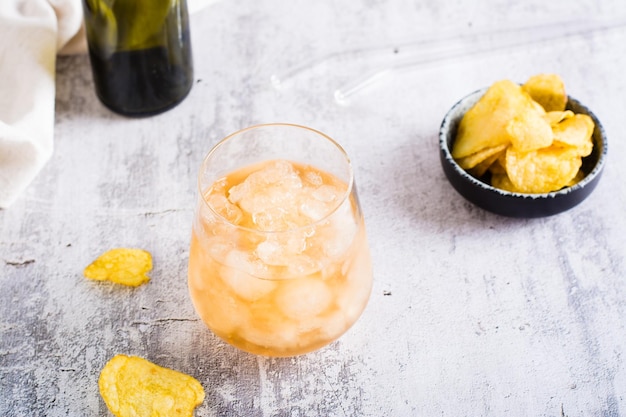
[(313, 208), (273, 219), (270, 196), (287, 251), (327, 193), (226, 209), (288, 243), (217, 247), (302, 266), (271, 186), (327, 327), (224, 314), (313, 178), (238, 192), (248, 263), (279, 171), (279, 252), (335, 324), (245, 285), (278, 335), (302, 299), (341, 231), (269, 251)]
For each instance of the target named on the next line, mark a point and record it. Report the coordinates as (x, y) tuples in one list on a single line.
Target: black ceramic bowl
[(511, 204)]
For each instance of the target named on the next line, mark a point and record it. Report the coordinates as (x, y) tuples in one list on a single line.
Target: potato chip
[(498, 165), (547, 90), (529, 130), (483, 126), (578, 178), (505, 114), (121, 265), (542, 171), (476, 158), (479, 169), (575, 131), (503, 182), (554, 117), (134, 387)]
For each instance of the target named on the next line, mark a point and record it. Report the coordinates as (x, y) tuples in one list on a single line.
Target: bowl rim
[(452, 119)]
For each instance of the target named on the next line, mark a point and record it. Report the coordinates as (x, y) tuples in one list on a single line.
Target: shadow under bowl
[(505, 203)]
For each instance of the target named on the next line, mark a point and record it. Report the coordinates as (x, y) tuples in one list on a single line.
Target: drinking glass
[(279, 263)]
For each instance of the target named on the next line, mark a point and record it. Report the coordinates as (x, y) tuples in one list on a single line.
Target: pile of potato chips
[(523, 137)]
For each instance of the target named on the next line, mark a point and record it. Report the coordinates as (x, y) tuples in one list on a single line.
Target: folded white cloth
[(33, 32)]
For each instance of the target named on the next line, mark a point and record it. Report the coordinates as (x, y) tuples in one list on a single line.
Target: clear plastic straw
[(416, 54)]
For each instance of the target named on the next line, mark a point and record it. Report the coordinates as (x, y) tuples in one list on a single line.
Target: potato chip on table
[(122, 266), (135, 387)]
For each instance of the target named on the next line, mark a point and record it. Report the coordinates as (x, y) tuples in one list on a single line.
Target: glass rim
[(345, 196)]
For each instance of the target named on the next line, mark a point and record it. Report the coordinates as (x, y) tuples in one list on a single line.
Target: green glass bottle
[(140, 53)]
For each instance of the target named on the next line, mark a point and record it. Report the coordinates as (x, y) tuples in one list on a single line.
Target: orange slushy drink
[(279, 263)]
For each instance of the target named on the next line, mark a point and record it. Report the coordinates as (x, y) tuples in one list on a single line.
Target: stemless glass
[(279, 263)]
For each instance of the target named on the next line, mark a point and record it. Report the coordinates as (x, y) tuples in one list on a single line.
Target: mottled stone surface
[(471, 314)]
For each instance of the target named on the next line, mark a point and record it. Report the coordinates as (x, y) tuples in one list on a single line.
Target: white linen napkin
[(33, 32)]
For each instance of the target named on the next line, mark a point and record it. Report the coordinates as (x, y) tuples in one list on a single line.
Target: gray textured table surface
[(471, 314)]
